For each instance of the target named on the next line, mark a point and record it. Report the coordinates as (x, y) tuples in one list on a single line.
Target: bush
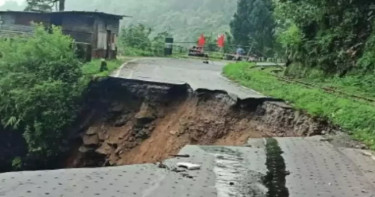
[(367, 61), (92, 69), (136, 40), (39, 87), (334, 33)]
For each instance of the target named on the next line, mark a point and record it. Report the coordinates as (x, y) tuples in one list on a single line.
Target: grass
[(92, 69), (356, 117), (357, 84)]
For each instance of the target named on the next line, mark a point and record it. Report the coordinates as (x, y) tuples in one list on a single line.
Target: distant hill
[(185, 19)]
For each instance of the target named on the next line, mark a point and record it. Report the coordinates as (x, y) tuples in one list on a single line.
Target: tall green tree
[(253, 25), (325, 34), (136, 36), (44, 5)]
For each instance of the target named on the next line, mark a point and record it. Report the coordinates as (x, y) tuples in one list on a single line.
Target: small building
[(94, 32)]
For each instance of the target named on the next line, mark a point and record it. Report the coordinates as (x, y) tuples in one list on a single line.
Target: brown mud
[(133, 122)]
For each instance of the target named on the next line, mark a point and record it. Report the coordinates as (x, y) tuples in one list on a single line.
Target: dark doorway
[(109, 45)]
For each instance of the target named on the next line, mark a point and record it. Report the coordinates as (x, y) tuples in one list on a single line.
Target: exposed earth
[(144, 122), (156, 112)]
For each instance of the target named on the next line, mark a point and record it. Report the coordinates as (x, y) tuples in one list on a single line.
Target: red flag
[(201, 41), (221, 41)]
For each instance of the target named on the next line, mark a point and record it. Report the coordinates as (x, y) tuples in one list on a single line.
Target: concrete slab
[(225, 171), (181, 71), (317, 168)]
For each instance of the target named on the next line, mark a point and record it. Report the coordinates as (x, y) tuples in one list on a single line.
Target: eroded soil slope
[(131, 122)]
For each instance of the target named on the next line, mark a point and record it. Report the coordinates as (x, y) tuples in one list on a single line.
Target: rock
[(146, 113), (121, 121), (117, 107), (142, 134), (119, 151), (84, 149), (360, 146), (113, 141), (92, 131), (102, 136), (104, 149), (90, 140)]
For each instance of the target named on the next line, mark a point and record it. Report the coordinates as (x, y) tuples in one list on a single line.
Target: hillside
[(185, 21)]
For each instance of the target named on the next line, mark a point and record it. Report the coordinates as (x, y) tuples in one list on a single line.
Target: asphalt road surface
[(296, 167), (180, 71), (314, 167)]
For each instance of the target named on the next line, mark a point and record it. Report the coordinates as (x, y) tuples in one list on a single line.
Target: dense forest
[(333, 37)]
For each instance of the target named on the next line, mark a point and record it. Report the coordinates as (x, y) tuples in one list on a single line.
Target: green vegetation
[(185, 20), (92, 69), (355, 116), (44, 5), (253, 25), (333, 36), (360, 85), (330, 44), (137, 40), (41, 85), (17, 163)]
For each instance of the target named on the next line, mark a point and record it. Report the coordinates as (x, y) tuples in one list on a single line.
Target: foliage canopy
[(328, 35), (253, 25), (39, 86)]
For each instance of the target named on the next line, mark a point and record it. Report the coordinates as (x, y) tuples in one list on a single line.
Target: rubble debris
[(162, 165), (135, 117), (90, 140), (189, 166), (181, 156)]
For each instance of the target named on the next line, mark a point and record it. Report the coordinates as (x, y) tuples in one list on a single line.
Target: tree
[(135, 40), (327, 35), (253, 25), (39, 88), (44, 5), (158, 43), (173, 16)]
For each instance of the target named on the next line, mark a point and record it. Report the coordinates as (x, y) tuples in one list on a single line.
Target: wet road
[(180, 71), (313, 167), (296, 167)]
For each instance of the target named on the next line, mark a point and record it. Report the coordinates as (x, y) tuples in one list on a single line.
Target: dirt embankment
[(133, 122)]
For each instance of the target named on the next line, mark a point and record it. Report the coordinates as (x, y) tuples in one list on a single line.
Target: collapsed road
[(155, 113)]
